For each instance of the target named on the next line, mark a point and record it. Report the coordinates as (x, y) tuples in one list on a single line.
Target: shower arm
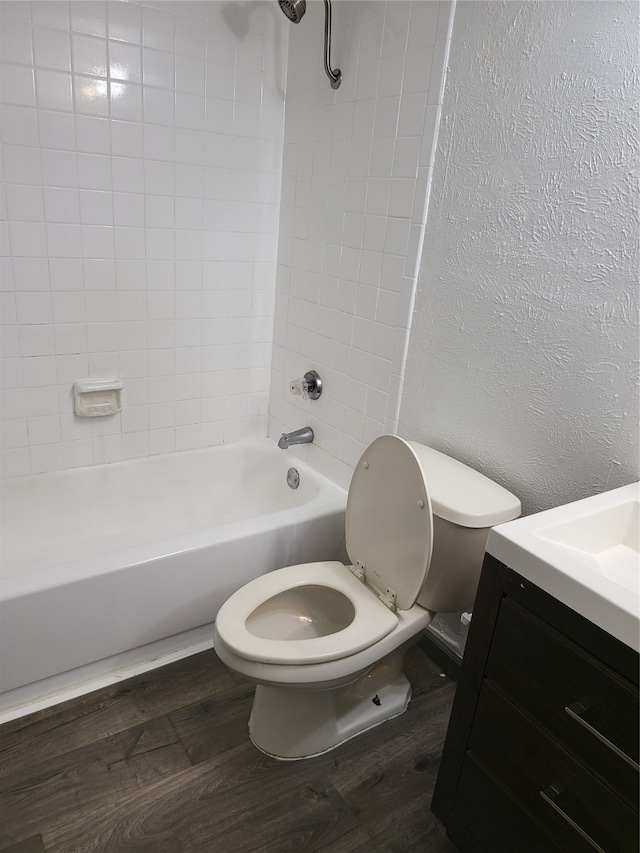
[(335, 77)]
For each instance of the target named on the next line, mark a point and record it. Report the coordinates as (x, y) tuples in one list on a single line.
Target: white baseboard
[(85, 679)]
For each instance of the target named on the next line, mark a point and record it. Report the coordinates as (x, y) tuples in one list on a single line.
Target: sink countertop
[(586, 554)]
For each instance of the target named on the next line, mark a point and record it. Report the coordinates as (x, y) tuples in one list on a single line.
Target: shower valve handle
[(309, 387)]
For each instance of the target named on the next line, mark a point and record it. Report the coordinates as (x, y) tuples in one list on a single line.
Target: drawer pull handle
[(549, 799), (575, 711)]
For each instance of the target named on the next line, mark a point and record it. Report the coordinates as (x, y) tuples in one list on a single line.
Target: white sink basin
[(586, 554), (608, 540)]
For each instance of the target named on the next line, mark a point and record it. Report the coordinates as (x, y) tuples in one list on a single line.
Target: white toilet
[(325, 642)]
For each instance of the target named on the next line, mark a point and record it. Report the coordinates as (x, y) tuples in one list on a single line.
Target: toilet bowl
[(324, 642)]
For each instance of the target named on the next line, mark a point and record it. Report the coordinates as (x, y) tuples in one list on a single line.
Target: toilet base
[(294, 723)]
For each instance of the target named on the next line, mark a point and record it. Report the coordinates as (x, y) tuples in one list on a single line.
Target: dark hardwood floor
[(162, 763)]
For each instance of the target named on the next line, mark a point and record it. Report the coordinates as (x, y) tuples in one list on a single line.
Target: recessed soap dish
[(95, 398)]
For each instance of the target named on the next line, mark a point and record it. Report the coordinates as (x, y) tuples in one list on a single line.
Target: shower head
[(293, 9)]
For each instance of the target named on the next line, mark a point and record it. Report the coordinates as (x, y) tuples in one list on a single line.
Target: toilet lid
[(389, 523)]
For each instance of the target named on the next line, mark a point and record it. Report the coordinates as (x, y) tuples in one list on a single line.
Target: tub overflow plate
[(293, 478)]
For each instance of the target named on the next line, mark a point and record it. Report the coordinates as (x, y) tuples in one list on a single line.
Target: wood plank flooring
[(162, 763)]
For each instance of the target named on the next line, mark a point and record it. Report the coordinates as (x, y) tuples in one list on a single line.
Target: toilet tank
[(465, 505)]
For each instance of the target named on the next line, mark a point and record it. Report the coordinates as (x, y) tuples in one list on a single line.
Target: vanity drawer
[(485, 810), (586, 706), (576, 811)]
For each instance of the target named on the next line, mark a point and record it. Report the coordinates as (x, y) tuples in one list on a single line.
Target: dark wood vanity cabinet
[(541, 754)]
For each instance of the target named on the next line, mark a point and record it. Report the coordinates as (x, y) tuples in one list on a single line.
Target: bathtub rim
[(330, 498)]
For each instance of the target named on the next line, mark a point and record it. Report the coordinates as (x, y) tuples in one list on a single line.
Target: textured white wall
[(523, 351)]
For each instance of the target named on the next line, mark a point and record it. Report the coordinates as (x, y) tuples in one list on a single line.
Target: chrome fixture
[(309, 387), (299, 436), (293, 478), (294, 10)]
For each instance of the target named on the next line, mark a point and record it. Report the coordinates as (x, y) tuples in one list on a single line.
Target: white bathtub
[(115, 569)]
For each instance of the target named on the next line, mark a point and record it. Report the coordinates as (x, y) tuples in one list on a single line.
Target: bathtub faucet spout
[(299, 436)]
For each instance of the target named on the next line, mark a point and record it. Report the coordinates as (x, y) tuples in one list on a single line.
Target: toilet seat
[(372, 620), (389, 536)]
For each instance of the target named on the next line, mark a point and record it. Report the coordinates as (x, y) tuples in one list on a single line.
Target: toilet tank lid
[(461, 495)]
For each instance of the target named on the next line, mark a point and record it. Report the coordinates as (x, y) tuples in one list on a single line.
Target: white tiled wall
[(142, 149), (356, 177)]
